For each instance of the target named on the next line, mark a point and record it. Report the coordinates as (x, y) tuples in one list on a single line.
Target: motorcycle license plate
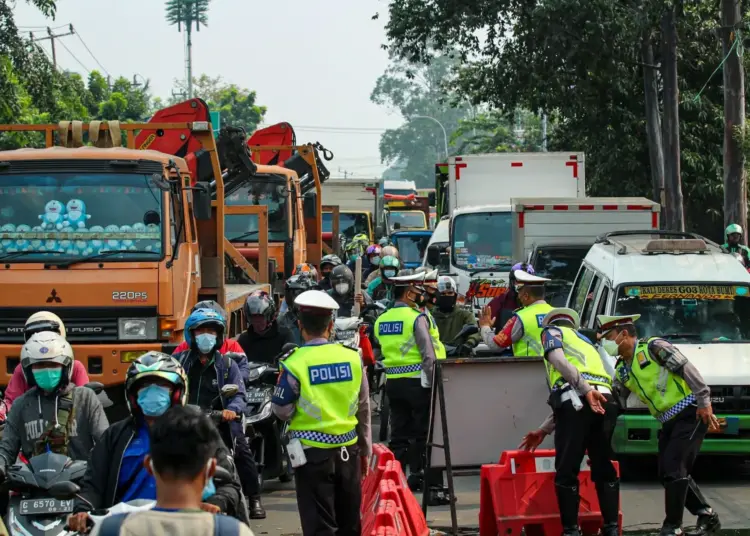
[(255, 397), (45, 506)]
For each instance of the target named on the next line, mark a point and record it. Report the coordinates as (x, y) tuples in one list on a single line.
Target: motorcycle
[(453, 348), (347, 332), (262, 428)]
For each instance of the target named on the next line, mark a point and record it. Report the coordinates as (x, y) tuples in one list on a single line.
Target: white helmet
[(447, 284), (44, 321), (47, 347), (316, 299)]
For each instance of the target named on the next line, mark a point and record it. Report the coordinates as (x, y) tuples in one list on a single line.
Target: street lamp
[(445, 134)]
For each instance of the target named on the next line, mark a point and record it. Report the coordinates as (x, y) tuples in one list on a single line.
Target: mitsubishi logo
[(53, 297)]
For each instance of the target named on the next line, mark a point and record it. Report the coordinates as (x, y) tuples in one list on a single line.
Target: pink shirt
[(18, 385)]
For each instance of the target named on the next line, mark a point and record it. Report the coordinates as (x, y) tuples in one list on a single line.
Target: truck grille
[(84, 325), (730, 399)]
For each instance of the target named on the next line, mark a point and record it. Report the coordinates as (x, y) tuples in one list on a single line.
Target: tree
[(415, 90), (582, 61), (496, 132), (188, 13)]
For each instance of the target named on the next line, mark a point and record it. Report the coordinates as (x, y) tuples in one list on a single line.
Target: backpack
[(223, 525)]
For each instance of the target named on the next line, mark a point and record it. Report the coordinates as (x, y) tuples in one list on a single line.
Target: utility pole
[(675, 214), (735, 178), (52, 36), (188, 13), (653, 121)]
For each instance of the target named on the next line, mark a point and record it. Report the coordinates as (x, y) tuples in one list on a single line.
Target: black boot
[(415, 481), (708, 520), (568, 500), (256, 508), (674, 506), (609, 504)]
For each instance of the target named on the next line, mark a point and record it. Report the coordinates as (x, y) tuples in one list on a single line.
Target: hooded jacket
[(450, 324), (32, 412), (100, 482), (227, 372)]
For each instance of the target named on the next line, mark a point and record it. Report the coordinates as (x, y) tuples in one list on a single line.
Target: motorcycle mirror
[(288, 347), (222, 476), (469, 329), (229, 390), (64, 490), (95, 386)]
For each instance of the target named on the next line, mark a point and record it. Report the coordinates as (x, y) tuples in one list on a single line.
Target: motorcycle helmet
[(293, 287), (447, 284), (47, 347), (210, 304), (373, 254), (155, 365), (328, 263), (44, 321), (201, 318), (524, 267), (389, 267), (383, 242), (306, 268), (389, 251), (357, 247), (259, 303), (732, 228), (342, 280)]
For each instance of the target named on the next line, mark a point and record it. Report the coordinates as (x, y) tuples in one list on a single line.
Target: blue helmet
[(205, 317)]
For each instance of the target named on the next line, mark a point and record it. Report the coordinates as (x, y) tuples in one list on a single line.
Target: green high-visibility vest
[(394, 330), (330, 378), (531, 317), (583, 356), (665, 393)]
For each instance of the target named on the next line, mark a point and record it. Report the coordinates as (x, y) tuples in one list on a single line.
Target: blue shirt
[(140, 484)]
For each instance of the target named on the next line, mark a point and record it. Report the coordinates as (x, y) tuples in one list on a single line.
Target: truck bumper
[(639, 435)]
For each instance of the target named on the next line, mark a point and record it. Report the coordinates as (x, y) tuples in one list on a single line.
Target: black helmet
[(260, 303), (210, 304), (296, 285), (155, 365), (342, 275)]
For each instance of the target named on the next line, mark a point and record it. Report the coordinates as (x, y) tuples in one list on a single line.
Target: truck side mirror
[(201, 201), (431, 197), (433, 255)]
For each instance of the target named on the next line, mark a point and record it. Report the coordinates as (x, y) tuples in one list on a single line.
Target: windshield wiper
[(243, 236), (681, 336), (498, 268), (101, 255), (16, 254)]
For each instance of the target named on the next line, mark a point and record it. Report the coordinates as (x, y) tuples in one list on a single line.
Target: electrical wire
[(42, 27), (91, 53), (74, 56)]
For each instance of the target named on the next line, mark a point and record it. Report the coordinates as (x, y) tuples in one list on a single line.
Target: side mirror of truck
[(431, 197), (433, 256), (201, 201)]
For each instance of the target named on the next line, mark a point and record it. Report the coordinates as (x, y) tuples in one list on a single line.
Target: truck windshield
[(481, 241), (688, 312), (66, 216), (350, 223), (272, 193), (411, 249), (407, 220)]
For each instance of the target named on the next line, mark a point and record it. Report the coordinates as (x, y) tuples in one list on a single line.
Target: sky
[(312, 66)]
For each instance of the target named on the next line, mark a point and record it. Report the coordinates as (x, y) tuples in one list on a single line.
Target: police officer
[(584, 417), (409, 343), (676, 395), (524, 329), (323, 392)]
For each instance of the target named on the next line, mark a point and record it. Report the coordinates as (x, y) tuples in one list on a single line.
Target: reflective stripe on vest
[(664, 393), (330, 378), (394, 330), (583, 356), (531, 318)]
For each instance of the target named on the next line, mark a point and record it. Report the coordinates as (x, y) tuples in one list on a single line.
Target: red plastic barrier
[(519, 494), (388, 521), (380, 456)]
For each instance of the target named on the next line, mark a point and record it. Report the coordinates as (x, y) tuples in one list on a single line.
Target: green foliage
[(580, 60), (187, 13), (496, 132)]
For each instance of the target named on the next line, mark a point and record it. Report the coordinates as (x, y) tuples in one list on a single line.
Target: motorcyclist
[(373, 258), (301, 269), (264, 338), (293, 287), (451, 319), (504, 306), (229, 347), (207, 372), (40, 322), (115, 473), (385, 251), (733, 242), (380, 288), (55, 414), (342, 281), (327, 264), (356, 249)]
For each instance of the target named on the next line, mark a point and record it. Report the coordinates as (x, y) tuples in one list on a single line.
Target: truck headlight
[(136, 329)]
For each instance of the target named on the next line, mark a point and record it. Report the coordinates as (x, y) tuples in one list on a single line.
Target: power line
[(75, 58), (78, 35), (52, 36), (41, 27)]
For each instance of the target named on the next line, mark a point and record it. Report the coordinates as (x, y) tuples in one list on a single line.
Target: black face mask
[(446, 303), (420, 300)]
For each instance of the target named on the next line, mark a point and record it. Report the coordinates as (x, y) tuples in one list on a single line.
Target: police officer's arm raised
[(512, 331)]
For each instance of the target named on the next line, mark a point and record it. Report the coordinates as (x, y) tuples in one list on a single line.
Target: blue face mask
[(353, 257), (205, 342), (375, 261), (154, 400), (389, 273), (209, 490), (47, 379)]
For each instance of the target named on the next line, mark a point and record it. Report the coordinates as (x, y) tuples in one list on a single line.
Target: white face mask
[(342, 288), (610, 347)]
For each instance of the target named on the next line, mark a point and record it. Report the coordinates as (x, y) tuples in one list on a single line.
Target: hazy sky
[(313, 64)]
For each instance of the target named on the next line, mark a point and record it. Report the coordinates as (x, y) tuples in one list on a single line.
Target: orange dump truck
[(115, 241)]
